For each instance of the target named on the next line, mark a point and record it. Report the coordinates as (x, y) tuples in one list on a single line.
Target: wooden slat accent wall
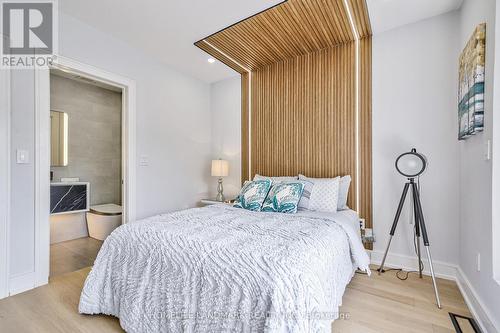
[(245, 152), (297, 62), (365, 131), (303, 116)]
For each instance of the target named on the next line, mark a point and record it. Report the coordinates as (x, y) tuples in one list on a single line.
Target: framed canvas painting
[(471, 84)]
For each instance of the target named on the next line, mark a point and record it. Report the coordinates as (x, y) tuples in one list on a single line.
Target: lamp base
[(220, 192)]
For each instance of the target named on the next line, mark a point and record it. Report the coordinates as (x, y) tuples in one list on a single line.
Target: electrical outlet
[(487, 150), (478, 262), (362, 224), (368, 232)]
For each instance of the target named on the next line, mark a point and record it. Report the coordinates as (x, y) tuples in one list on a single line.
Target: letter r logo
[(29, 27)]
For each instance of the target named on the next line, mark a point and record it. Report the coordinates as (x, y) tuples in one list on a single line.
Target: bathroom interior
[(86, 169)]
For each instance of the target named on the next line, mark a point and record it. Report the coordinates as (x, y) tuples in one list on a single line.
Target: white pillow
[(344, 184), (325, 195), (275, 179)]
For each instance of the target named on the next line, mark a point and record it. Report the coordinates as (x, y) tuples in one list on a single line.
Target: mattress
[(224, 269)]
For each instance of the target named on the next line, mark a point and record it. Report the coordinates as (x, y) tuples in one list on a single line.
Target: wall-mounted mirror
[(58, 138)]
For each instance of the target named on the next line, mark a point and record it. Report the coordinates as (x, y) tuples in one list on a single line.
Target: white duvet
[(223, 269)]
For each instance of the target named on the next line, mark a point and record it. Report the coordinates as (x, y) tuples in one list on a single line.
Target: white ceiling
[(389, 14), (167, 29)]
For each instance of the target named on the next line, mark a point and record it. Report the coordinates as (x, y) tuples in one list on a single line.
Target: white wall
[(4, 176), (475, 178), (414, 106), (225, 106), (173, 111), (22, 205)]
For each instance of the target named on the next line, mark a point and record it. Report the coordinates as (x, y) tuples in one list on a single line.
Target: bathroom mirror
[(58, 138)]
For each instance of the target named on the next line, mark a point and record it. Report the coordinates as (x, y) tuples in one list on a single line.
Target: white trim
[(495, 156), (42, 180), (21, 283), (5, 151), (442, 270), (483, 317), (42, 154)]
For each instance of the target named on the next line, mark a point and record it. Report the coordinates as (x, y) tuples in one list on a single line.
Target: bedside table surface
[(212, 202)]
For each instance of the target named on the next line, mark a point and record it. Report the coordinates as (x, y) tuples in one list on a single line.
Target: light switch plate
[(144, 160), (22, 156)]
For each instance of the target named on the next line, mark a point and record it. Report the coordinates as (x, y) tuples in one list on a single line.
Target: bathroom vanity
[(69, 197)]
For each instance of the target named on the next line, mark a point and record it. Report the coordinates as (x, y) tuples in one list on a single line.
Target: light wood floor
[(373, 304), (72, 255)]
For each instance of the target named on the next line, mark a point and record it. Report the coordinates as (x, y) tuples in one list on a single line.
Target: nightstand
[(207, 202)]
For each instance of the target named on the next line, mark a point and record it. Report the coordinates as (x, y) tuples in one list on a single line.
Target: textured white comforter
[(223, 269)]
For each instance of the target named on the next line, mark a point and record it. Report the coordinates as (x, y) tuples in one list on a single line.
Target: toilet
[(103, 219)]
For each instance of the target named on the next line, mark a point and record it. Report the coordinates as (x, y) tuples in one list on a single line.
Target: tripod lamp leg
[(381, 268), (436, 293)]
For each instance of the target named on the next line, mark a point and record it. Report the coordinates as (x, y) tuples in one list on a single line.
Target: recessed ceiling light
[(211, 60)]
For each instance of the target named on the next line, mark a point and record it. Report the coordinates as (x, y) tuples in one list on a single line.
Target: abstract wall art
[(471, 84)]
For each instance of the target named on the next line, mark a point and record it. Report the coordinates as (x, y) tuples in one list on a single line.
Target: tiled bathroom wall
[(94, 135)]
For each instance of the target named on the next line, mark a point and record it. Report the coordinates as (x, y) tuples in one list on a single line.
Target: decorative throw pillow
[(253, 194), (344, 184), (276, 179), (283, 197), (325, 194)]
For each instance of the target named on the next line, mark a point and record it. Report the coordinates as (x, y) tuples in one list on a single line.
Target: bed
[(224, 269)]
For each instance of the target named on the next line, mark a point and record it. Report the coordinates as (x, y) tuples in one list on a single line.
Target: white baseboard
[(445, 271), (479, 311), (441, 269), (21, 283)]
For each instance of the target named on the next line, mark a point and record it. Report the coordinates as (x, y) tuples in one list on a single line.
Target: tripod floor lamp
[(412, 165)]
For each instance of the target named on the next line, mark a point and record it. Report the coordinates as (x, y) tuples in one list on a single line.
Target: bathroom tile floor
[(70, 256)]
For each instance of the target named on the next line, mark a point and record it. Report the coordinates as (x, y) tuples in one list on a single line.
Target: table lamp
[(220, 168)]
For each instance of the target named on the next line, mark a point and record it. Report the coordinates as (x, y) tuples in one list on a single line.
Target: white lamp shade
[(220, 168)]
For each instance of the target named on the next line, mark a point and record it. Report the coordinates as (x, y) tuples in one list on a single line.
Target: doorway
[(85, 168), (86, 249)]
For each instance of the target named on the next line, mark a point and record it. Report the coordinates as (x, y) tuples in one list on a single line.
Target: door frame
[(42, 151), (5, 151)]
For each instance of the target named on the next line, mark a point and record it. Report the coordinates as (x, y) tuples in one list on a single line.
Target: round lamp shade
[(411, 164), (220, 168)]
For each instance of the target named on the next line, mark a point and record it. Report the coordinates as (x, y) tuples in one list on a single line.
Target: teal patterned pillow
[(284, 198), (253, 194)]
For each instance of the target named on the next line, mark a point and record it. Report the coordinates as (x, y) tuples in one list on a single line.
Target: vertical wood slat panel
[(303, 116), (366, 209), (245, 77)]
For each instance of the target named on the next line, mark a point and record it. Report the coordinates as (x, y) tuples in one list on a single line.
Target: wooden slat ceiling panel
[(293, 28), (361, 17)]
